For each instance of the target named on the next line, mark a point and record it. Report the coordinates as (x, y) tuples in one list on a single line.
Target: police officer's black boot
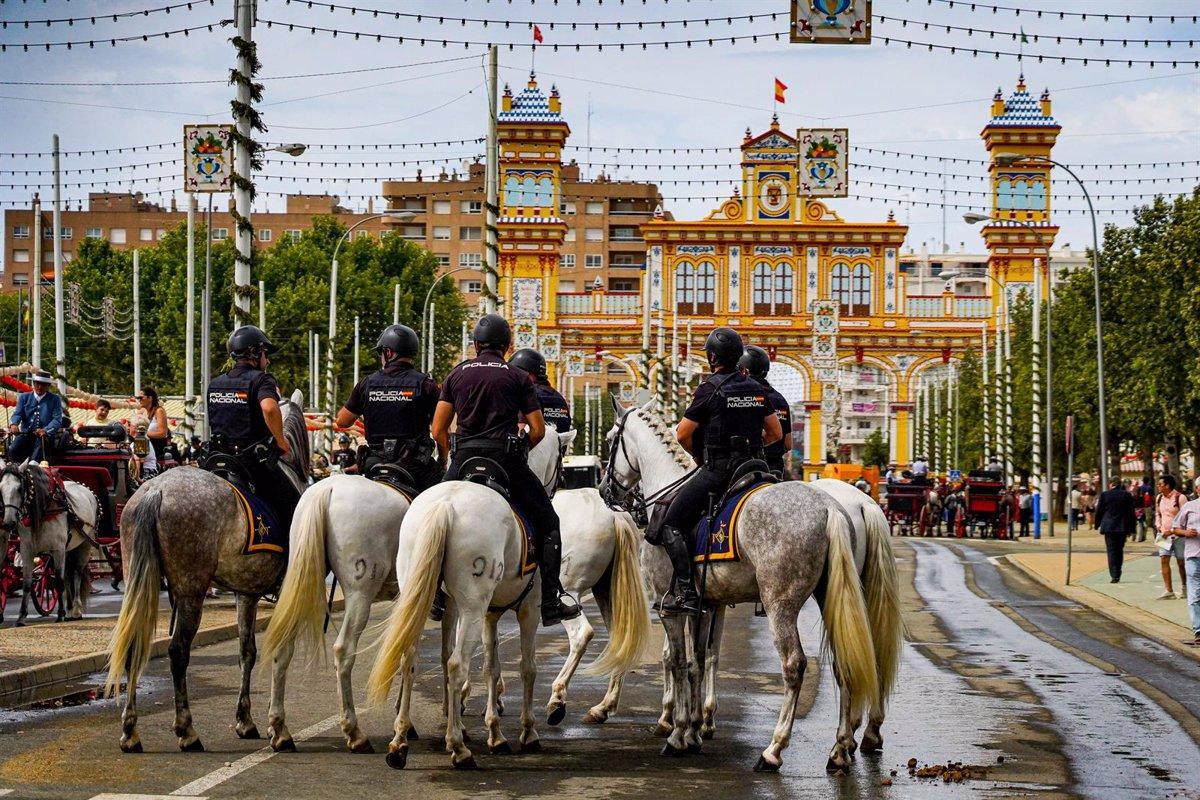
[(557, 605), (682, 598)]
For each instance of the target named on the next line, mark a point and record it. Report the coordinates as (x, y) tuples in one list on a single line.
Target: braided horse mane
[(665, 434)]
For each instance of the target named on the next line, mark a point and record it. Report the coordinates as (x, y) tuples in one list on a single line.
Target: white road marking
[(205, 783), (107, 796), (5, 791)]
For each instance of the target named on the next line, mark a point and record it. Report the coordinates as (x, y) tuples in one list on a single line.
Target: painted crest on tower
[(823, 162)]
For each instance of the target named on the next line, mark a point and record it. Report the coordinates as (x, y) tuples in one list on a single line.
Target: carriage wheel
[(960, 523), (44, 594)]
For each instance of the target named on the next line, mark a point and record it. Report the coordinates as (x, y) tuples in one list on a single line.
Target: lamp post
[(1047, 481), (398, 215), (425, 305), (1007, 160)]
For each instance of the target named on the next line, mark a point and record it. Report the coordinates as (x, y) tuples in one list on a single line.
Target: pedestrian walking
[(1167, 506), (1186, 526), (1145, 502), (1114, 518), (1076, 506)]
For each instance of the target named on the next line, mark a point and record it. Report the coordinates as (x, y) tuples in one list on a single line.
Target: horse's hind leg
[(579, 633), (358, 608), (709, 725), (675, 662), (497, 744), (665, 724), (791, 658), (187, 622), (527, 617), (247, 606), (281, 737), (601, 711), (458, 668)]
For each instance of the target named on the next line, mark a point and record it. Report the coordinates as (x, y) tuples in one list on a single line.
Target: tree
[(876, 450)]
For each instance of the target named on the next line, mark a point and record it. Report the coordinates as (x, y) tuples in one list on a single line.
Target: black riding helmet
[(723, 347), (246, 340), (531, 361), (492, 330), (755, 361), (400, 339)]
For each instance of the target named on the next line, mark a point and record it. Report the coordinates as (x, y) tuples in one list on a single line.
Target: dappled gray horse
[(188, 526)]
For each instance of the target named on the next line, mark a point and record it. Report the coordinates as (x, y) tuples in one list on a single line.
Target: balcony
[(604, 303), (948, 305)]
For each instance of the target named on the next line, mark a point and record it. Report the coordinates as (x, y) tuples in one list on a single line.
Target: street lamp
[(394, 214), (1007, 160), (294, 149), (972, 218), (425, 310)]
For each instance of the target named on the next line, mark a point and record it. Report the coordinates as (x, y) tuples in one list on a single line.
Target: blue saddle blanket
[(264, 533), (722, 530)]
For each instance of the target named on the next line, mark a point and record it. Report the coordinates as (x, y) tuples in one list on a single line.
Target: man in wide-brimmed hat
[(38, 416)]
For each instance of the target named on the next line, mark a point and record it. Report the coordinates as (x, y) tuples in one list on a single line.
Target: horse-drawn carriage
[(907, 508), (987, 507), (111, 473)]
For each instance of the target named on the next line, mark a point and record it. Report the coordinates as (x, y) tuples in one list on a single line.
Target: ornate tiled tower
[(532, 133), (1021, 191)]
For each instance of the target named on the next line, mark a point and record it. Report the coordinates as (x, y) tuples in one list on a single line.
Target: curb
[(30, 684), (1125, 614)]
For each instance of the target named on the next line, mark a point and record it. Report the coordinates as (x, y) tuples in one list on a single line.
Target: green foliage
[(296, 276), (876, 451)]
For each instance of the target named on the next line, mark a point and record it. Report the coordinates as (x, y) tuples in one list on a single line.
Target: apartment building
[(602, 247), (129, 221)]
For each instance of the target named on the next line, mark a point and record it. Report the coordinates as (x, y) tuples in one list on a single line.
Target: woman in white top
[(157, 430)]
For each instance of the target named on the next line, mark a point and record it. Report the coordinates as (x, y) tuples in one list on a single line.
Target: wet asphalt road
[(995, 666)]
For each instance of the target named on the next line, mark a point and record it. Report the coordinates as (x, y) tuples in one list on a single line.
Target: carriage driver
[(555, 410), (488, 397), (245, 420), (728, 422), (757, 363), (396, 404)]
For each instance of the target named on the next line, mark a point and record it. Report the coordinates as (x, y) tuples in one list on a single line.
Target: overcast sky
[(892, 97)]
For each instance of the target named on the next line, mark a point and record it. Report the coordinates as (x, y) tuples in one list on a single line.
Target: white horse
[(66, 536), (790, 537), (350, 525)]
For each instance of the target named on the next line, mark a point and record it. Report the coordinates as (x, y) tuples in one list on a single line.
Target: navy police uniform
[(236, 423), (774, 452), (555, 409), (396, 404)]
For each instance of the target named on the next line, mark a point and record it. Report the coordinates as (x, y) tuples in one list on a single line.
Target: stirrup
[(556, 610), (680, 604)]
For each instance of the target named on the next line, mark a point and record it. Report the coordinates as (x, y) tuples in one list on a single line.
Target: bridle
[(622, 497), (26, 481)]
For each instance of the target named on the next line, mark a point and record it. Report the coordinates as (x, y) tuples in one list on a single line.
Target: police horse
[(350, 525), (794, 541), (467, 534), (189, 526)]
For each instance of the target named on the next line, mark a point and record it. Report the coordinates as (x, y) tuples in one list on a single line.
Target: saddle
[(486, 472), (749, 474), (395, 477), (228, 467)]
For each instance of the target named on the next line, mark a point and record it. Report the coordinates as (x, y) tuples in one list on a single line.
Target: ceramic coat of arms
[(824, 155), (207, 158)]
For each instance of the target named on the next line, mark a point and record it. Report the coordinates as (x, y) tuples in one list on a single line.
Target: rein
[(640, 504)]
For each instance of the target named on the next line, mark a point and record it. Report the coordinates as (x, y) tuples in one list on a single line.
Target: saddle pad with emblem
[(528, 551), (722, 532), (264, 534)]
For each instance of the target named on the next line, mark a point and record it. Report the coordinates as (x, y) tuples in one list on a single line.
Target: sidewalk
[(1132, 602)]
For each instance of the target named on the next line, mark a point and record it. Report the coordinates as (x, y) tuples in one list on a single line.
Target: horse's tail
[(132, 638), (300, 612), (846, 630), (630, 628), (882, 590), (407, 619)]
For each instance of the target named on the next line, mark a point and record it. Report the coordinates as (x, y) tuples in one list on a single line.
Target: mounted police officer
[(396, 404), (245, 421), (728, 422), (489, 397), (757, 363), (555, 410)]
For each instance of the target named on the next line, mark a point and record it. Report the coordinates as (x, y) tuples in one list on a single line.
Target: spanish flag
[(537, 34), (780, 88)]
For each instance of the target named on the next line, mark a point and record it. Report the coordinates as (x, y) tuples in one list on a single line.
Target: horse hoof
[(833, 767), (671, 751), (765, 766), (412, 734), (397, 759), (249, 733), (871, 745), (136, 747), (195, 746), (532, 747), (502, 749), (362, 747), (593, 719), (286, 746), (693, 749), (707, 733), (662, 730), (557, 714), (466, 763)]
